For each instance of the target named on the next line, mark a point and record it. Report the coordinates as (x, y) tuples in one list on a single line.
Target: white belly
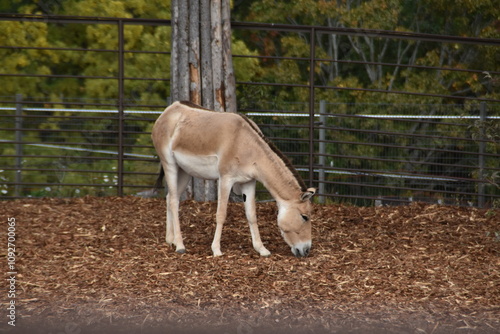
[(200, 166)]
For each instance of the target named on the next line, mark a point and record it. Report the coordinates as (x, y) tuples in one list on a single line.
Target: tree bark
[(194, 52), (216, 44), (227, 66), (174, 71), (206, 55), (183, 49), (201, 64)]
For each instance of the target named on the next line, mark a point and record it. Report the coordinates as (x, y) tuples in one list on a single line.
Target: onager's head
[(295, 224)]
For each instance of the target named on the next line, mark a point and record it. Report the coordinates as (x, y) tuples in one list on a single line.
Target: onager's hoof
[(217, 253), (181, 251), (265, 253)]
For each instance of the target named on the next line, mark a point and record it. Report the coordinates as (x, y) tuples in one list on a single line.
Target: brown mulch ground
[(101, 264)]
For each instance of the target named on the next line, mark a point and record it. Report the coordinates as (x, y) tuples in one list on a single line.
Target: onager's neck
[(274, 169), (279, 177)]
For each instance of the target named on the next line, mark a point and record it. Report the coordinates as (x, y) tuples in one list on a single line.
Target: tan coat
[(229, 148)]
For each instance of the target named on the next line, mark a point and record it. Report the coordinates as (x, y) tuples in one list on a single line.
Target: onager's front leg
[(224, 191), (248, 190)]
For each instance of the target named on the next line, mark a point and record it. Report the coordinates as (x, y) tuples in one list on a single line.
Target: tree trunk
[(201, 64), (194, 52), (206, 56), (227, 64)]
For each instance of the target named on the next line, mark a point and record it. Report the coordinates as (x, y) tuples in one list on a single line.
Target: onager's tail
[(159, 181)]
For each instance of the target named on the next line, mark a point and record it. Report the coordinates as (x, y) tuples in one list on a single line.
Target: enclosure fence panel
[(364, 145)]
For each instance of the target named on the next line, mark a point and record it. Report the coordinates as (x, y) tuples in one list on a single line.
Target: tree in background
[(414, 68), (201, 63), (462, 18)]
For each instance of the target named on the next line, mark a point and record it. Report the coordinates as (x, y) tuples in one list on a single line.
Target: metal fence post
[(19, 144), (322, 150), (121, 118), (482, 149), (312, 55)]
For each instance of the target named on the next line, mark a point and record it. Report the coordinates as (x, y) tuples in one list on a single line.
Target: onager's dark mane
[(271, 145), (194, 105), (280, 154)]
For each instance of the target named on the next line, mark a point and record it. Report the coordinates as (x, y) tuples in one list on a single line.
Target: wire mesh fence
[(379, 154), (74, 152), (364, 154)]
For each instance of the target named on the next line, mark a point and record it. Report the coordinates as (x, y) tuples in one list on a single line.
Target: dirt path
[(90, 264)]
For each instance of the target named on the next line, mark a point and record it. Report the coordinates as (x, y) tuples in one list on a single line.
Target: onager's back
[(228, 147)]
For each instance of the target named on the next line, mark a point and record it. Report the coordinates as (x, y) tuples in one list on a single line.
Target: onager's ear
[(308, 194)]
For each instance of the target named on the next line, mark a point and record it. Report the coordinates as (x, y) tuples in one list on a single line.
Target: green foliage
[(462, 18), (470, 18), (95, 55)]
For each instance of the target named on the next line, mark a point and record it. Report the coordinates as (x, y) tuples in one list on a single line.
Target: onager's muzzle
[(302, 249)]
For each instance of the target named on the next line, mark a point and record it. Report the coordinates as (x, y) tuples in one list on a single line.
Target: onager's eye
[(305, 217)]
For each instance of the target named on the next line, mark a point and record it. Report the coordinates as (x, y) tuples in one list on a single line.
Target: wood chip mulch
[(93, 264)]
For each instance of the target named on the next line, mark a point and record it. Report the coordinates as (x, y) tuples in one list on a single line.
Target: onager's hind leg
[(248, 190), (177, 181), (170, 226), (182, 182)]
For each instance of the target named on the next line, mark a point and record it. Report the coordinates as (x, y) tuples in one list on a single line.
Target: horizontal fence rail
[(367, 153)]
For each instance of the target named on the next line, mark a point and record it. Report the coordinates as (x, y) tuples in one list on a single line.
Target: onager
[(230, 148)]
